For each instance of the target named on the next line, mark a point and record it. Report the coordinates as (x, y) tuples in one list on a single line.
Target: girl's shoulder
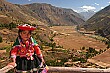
[(16, 43)]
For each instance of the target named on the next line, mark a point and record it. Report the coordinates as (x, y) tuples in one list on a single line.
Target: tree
[(12, 25)]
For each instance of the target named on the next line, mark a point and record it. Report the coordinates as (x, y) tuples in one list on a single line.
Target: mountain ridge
[(37, 13), (99, 22)]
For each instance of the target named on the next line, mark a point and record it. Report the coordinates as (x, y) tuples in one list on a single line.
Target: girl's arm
[(38, 52), (13, 54)]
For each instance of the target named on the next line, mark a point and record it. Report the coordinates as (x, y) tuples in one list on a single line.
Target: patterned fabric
[(26, 27), (17, 42), (27, 65), (26, 49), (26, 54)]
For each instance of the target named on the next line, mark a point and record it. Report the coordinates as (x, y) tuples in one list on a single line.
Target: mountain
[(55, 15), (13, 13), (88, 14), (37, 13), (100, 22)]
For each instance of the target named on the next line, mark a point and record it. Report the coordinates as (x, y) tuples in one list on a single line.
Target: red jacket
[(24, 51)]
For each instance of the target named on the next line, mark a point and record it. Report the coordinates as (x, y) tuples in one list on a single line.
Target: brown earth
[(4, 44), (102, 59), (69, 38), (8, 37)]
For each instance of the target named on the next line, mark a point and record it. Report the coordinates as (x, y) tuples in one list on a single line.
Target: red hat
[(26, 27)]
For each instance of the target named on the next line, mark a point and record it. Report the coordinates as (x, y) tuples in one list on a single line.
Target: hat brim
[(26, 28)]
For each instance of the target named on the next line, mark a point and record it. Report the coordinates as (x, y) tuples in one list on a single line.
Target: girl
[(26, 52)]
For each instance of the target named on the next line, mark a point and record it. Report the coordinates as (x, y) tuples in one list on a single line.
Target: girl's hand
[(13, 64), (43, 61)]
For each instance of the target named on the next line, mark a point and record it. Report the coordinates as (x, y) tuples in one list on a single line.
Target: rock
[(2, 51)]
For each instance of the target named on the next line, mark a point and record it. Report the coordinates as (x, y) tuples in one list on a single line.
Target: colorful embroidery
[(26, 49)]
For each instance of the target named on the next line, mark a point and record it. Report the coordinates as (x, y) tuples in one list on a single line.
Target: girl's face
[(25, 35)]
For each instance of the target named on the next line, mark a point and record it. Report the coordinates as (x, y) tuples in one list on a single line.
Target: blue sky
[(76, 5)]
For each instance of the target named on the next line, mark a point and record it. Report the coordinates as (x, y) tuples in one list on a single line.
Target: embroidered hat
[(26, 27)]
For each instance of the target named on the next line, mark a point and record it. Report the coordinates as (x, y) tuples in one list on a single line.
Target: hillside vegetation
[(62, 46)]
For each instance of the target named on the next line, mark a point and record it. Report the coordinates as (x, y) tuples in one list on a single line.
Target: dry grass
[(104, 57), (70, 39), (4, 44)]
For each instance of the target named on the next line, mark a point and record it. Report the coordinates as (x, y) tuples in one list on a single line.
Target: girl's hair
[(19, 31)]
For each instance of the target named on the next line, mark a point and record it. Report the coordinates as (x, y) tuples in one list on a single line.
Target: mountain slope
[(54, 15), (87, 14), (100, 22), (12, 13), (37, 14)]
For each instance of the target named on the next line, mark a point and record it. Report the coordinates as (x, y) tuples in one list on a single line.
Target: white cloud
[(75, 10), (102, 7), (29, 0), (97, 4), (87, 8), (109, 2)]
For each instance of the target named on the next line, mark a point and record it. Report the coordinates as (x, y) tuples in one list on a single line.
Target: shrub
[(1, 40), (83, 48)]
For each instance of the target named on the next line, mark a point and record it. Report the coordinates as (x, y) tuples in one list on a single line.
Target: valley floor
[(69, 38)]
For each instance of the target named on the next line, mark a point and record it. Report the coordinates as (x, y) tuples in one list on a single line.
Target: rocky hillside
[(37, 14), (54, 15), (100, 22), (13, 13)]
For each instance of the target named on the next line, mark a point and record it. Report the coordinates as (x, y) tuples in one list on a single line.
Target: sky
[(76, 5)]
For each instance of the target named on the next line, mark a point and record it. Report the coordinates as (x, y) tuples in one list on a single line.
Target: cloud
[(87, 8), (75, 10), (97, 4), (109, 2), (102, 7), (29, 0)]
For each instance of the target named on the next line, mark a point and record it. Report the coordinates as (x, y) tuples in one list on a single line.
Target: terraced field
[(69, 38)]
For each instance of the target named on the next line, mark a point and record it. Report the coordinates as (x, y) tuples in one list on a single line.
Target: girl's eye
[(26, 33)]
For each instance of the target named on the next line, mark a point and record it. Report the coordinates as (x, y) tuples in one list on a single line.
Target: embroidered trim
[(13, 56)]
